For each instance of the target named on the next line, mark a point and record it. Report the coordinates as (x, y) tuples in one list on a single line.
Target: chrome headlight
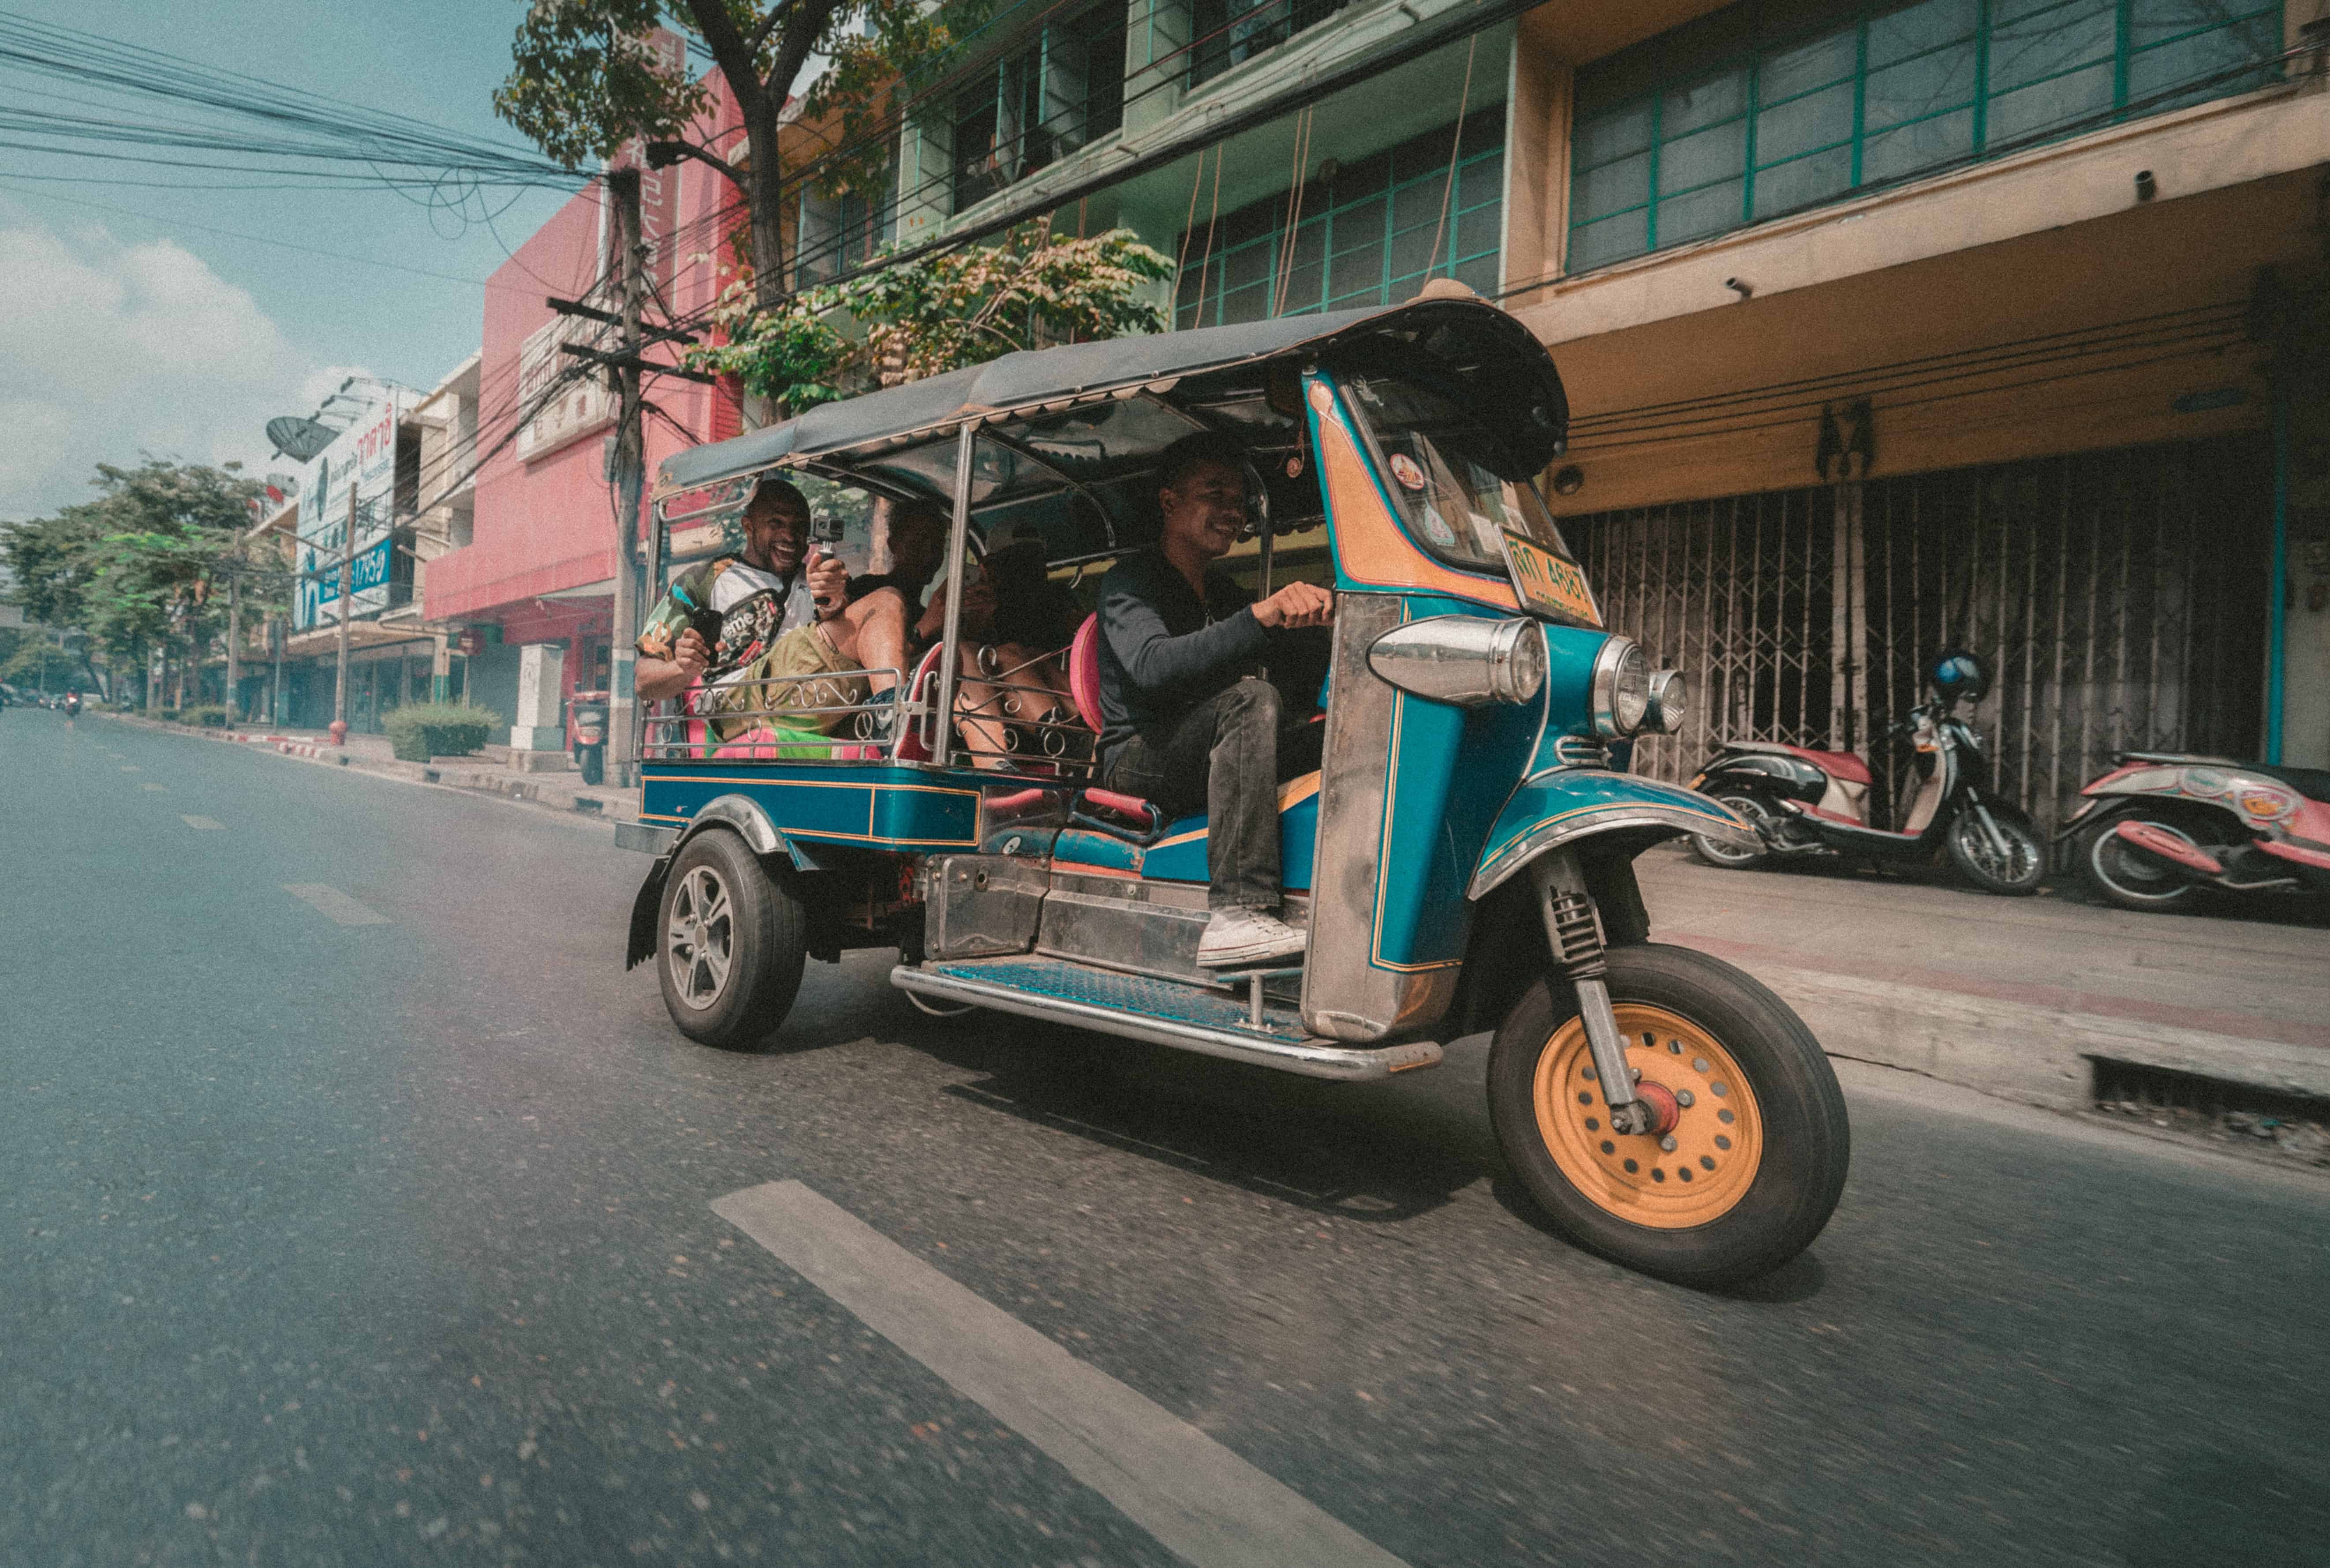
[(1621, 691), (1463, 659), (1670, 702)]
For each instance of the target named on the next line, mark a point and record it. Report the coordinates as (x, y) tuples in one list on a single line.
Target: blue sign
[(369, 570)]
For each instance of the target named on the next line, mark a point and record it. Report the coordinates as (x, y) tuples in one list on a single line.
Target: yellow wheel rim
[(1718, 1143)]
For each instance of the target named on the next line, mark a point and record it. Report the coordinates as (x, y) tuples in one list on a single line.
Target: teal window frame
[(1978, 72), (1373, 205), (1057, 91)]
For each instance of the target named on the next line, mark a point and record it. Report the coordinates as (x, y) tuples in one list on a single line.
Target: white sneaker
[(1235, 938)]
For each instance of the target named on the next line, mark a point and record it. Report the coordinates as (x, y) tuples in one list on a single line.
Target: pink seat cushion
[(1110, 800), (758, 744), (1843, 765), (914, 746), (1084, 672)]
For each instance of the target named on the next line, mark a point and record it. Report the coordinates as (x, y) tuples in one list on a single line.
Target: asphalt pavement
[(358, 1208)]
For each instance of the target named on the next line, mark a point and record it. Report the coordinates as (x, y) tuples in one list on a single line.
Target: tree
[(921, 318), (141, 567), (586, 83)]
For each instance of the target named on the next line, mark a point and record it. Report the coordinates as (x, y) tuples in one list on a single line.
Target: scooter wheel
[(1755, 1160), (731, 943), (1723, 856), (591, 760), (2120, 874), (2019, 872)]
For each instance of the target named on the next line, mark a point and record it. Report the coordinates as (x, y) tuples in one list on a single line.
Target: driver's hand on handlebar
[(1298, 604), (690, 654)]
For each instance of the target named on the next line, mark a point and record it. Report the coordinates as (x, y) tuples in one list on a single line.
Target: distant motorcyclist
[(72, 707)]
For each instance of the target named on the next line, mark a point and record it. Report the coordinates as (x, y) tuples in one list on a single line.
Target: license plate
[(1547, 583)]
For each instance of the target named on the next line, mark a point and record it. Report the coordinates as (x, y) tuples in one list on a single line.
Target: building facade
[(1887, 327)]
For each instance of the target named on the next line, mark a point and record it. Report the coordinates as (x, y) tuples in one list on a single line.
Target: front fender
[(1554, 808)]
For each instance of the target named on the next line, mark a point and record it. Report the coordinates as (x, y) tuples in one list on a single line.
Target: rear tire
[(731, 940), (1761, 1151), (1723, 856), (2023, 870), (2124, 876)]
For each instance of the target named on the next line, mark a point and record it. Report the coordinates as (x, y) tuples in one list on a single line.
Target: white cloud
[(108, 350)]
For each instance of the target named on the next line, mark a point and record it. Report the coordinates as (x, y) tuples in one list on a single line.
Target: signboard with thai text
[(363, 460)]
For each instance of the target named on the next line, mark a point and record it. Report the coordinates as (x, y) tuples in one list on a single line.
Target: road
[(372, 1223)]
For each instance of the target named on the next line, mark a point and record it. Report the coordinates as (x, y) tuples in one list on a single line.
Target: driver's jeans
[(1227, 757)]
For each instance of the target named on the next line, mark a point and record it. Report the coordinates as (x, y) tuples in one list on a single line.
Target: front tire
[(2024, 867), (1714, 852), (1760, 1152), (2124, 876), (732, 941), (592, 762)]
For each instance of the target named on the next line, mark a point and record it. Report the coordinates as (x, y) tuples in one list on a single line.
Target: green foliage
[(583, 82), (922, 318), (138, 568), (207, 716), (419, 731)]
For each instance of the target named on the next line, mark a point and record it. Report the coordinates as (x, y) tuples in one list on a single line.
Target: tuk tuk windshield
[(1431, 462)]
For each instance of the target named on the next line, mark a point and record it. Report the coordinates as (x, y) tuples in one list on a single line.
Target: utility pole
[(347, 577), (631, 479), (234, 647)]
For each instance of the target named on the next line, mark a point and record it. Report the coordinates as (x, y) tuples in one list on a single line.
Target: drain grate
[(2131, 1083)]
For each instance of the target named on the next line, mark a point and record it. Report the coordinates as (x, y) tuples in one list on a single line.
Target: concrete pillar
[(1537, 161), (541, 682), (440, 670)]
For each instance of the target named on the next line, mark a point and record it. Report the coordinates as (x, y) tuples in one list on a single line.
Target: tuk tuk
[(1462, 860)]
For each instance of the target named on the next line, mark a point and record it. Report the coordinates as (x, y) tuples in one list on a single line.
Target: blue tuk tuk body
[(1461, 860)]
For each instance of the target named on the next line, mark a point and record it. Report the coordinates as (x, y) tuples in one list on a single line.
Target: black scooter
[(1807, 802)]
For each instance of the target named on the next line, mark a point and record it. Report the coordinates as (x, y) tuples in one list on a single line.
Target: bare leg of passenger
[(870, 635)]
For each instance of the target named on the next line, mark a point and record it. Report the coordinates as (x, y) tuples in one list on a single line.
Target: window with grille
[(1371, 235), (838, 233), (1777, 104), (1042, 100), (1226, 33)]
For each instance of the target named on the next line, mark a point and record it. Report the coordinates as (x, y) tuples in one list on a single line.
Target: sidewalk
[(488, 772), (2018, 998)]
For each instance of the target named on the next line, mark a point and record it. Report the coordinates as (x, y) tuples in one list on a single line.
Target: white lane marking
[(132, 767), (156, 787), (207, 824), (1201, 1501), (330, 901)]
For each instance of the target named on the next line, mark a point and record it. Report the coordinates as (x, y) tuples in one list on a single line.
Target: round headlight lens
[(1670, 701), (1621, 688), (1520, 662), (1630, 692)]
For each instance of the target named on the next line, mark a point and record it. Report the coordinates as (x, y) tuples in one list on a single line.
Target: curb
[(2038, 1055), (535, 790)]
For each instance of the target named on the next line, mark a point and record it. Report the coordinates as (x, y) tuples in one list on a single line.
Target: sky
[(125, 331)]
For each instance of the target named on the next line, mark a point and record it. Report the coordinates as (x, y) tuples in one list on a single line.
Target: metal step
[(1162, 1012)]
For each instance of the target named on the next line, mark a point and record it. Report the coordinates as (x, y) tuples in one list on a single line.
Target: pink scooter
[(2160, 827)]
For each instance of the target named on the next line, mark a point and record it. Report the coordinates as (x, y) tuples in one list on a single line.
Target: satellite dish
[(299, 439)]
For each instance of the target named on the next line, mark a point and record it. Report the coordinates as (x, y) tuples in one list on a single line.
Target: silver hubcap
[(700, 943), (1753, 811)]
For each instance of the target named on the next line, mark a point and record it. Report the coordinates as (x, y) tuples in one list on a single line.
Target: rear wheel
[(732, 941), (1731, 857), (2118, 873), (1755, 1159), (2015, 864)]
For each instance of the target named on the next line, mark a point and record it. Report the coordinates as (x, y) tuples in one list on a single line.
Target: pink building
[(534, 583)]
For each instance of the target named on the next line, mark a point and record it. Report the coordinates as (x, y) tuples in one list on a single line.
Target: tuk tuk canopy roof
[(1486, 360)]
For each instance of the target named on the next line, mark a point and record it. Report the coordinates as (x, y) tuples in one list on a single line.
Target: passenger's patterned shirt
[(754, 608)]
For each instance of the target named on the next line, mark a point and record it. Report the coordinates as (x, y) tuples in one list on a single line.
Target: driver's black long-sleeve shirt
[(1164, 650)]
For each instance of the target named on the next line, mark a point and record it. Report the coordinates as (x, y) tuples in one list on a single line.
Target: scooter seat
[(1842, 765)]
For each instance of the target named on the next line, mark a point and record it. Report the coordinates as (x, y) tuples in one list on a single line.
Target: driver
[(1186, 722)]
